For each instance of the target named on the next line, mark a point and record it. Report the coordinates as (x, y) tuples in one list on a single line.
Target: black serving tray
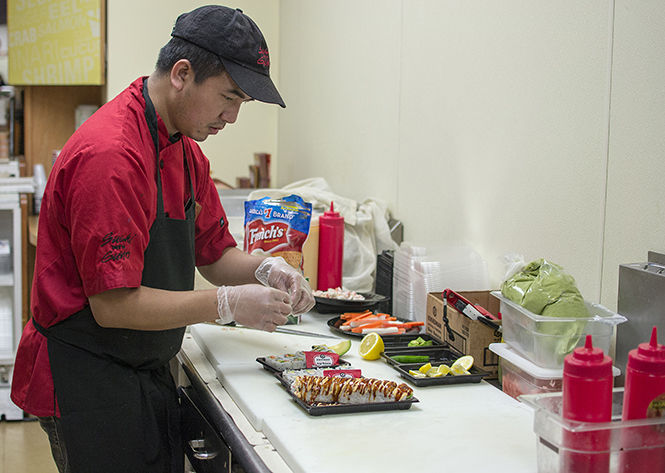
[(474, 377), (320, 409), (269, 368), (326, 305), (336, 322), (441, 355)]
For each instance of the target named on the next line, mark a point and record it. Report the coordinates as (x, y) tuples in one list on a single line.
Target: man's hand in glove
[(277, 273), (253, 305)]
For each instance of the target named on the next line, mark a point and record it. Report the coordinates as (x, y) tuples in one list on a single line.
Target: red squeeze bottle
[(643, 397), (587, 397), (331, 250)]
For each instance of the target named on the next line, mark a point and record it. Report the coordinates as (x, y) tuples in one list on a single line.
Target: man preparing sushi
[(129, 211)]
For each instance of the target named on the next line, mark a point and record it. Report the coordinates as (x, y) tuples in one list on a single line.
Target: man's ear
[(181, 74)]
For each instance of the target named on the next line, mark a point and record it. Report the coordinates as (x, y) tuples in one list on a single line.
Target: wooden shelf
[(49, 115)]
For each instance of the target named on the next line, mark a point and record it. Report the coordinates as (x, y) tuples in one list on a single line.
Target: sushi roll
[(312, 389), (290, 375)]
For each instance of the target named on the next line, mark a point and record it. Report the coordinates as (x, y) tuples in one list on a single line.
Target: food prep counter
[(463, 427)]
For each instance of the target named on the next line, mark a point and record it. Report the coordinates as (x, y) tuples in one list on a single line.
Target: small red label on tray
[(342, 373), (321, 359)]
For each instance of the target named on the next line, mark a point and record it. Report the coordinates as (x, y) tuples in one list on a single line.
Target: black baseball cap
[(237, 41)]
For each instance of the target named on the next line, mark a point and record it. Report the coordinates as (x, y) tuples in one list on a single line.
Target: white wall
[(136, 30)]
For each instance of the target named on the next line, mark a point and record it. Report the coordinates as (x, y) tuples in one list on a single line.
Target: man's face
[(204, 109)]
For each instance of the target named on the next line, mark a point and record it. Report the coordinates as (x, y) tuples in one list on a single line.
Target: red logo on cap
[(264, 60)]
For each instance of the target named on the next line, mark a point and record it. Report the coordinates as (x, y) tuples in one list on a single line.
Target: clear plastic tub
[(546, 340), (520, 376), (633, 446)]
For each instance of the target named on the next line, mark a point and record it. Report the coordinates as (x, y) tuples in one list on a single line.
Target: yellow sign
[(55, 42)]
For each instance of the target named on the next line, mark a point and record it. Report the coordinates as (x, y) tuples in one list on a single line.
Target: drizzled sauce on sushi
[(315, 389)]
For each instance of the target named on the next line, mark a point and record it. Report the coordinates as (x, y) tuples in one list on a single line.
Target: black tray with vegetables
[(434, 366)]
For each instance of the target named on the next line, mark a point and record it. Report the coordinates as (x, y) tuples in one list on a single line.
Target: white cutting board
[(256, 392), (462, 428)]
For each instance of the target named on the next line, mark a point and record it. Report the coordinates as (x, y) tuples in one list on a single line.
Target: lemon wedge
[(459, 370), (465, 362), (417, 374), (434, 373), (371, 346), (425, 368), (342, 347), (441, 370)]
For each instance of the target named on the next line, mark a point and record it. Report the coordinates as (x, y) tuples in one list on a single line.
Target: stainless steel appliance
[(642, 301)]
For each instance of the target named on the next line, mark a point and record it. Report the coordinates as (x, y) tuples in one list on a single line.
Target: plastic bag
[(514, 263), (544, 288), (278, 227)]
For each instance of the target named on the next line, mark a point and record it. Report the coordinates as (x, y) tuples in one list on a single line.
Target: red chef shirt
[(99, 204)]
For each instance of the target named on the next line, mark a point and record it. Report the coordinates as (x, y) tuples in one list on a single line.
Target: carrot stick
[(350, 315), (358, 318), (414, 324)]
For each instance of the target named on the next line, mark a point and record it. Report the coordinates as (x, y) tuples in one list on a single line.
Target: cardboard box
[(469, 337)]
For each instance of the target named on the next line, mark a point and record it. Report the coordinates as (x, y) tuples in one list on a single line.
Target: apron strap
[(39, 328), (151, 120)]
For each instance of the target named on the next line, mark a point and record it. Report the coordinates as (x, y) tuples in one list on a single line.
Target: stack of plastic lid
[(413, 278), (403, 280), (384, 279), (427, 278)]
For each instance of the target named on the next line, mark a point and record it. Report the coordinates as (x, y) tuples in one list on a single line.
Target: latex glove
[(277, 273), (253, 305)]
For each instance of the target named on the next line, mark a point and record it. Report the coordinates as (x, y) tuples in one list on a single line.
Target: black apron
[(118, 404)]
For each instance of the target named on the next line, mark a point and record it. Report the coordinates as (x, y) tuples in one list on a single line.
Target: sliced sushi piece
[(288, 361), (312, 389)]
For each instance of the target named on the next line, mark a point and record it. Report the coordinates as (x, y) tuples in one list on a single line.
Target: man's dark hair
[(204, 63)]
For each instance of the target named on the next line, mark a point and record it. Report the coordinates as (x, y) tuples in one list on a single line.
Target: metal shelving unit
[(10, 297), (11, 291)]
